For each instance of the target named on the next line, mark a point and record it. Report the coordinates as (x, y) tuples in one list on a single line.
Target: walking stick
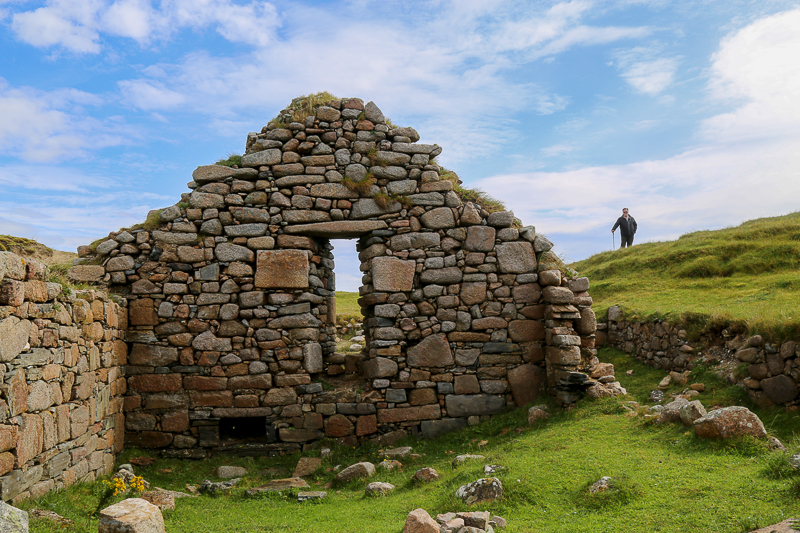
[(613, 242)]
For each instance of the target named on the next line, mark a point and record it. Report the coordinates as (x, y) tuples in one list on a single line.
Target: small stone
[(362, 469), (378, 488), (311, 495), (397, 452), (230, 472), (425, 475), (488, 470), (461, 459), (537, 413), (13, 520), (602, 485), (209, 487), (482, 490)]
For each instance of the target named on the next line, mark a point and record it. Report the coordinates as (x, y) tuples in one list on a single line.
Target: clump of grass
[(362, 186), (383, 200), (233, 160), (153, 221), (302, 107), (474, 195)]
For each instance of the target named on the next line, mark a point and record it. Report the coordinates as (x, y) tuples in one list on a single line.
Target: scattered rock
[(425, 475), (396, 452), (230, 472), (656, 396), (48, 515), (362, 469), (691, 412), (775, 444), (306, 466), (12, 520), (537, 413), (729, 422), (794, 461), (209, 487), (606, 390), (483, 490), (163, 500), (672, 411), (787, 526), (419, 521), (277, 485), (499, 522), (311, 495), (665, 383), (461, 459), (133, 515), (378, 488), (390, 464), (488, 470), (601, 485)]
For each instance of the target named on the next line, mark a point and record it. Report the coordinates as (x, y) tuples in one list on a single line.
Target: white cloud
[(78, 25), (47, 125), (148, 96), (745, 166), (645, 72)]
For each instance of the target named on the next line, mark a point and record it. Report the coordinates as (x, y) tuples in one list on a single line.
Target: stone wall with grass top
[(61, 383), (769, 371), (230, 294)]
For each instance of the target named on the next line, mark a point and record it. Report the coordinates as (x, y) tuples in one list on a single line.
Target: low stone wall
[(61, 415), (773, 370)]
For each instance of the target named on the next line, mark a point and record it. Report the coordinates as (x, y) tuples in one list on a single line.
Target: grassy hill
[(746, 277)]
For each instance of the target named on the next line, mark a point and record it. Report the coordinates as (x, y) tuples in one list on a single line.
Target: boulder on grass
[(484, 490), (362, 469), (729, 422), (419, 521), (13, 520), (133, 515)]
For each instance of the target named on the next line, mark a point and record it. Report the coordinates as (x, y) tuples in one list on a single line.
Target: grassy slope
[(347, 306), (666, 479), (747, 275)]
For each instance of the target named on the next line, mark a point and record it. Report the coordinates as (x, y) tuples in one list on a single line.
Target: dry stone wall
[(230, 295), (773, 369), (61, 384)]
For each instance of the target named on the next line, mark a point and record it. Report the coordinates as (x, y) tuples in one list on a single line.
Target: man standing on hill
[(627, 228)]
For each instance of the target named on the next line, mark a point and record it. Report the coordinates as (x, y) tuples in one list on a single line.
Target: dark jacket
[(626, 227)]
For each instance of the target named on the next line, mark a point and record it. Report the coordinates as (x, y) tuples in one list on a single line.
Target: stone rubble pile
[(61, 405), (230, 295)]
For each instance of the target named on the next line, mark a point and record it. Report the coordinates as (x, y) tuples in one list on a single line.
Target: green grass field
[(347, 306), (746, 275), (665, 478)]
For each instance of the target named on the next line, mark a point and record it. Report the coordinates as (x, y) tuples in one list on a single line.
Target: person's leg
[(625, 241)]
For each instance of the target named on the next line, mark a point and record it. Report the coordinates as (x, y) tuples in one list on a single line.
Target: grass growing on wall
[(665, 479), (746, 275)]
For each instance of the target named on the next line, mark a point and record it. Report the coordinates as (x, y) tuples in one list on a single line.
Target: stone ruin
[(231, 303)]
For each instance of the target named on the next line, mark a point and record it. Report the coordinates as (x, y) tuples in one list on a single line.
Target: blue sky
[(686, 112)]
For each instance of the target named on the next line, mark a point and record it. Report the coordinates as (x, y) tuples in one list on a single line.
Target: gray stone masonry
[(231, 298)]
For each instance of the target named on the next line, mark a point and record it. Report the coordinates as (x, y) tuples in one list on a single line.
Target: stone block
[(465, 405), (14, 335), (516, 257), (142, 312), (12, 292), (480, 239), (526, 382), (282, 269), (526, 330), (433, 351), (391, 274), (405, 414), (438, 218)]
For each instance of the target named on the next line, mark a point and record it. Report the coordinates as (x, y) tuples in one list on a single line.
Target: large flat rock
[(340, 229), (282, 269)]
